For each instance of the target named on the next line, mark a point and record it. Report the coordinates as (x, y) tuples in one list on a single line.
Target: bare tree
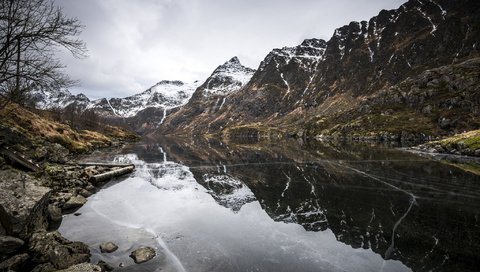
[(31, 31)]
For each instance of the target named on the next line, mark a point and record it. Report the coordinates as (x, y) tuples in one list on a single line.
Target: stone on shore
[(85, 193), (75, 202), (143, 254), (51, 247), (108, 247), (83, 267), (9, 245), (57, 153), (105, 267), (54, 214), (23, 204), (15, 263)]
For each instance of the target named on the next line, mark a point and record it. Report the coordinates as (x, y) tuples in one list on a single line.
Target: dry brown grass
[(36, 127)]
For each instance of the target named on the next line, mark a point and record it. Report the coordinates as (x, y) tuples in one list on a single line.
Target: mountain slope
[(165, 95), (291, 88), (226, 78), (58, 99), (209, 98), (440, 100), (289, 67)]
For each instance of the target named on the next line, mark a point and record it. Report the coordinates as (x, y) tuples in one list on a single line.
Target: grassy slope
[(437, 102), (467, 142), (36, 128)]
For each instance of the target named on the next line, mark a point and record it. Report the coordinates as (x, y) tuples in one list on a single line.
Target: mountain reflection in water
[(211, 206)]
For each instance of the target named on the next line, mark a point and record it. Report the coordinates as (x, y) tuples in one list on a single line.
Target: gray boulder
[(108, 247), (54, 214), (45, 267), (85, 193), (23, 204), (143, 254), (9, 244), (15, 263), (75, 202), (105, 266), (57, 153), (51, 247), (40, 153), (83, 267)]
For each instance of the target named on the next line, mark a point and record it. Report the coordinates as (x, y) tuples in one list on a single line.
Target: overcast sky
[(134, 44)]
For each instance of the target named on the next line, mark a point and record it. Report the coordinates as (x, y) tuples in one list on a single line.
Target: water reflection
[(285, 207)]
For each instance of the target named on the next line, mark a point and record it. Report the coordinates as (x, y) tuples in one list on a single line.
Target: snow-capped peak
[(227, 78), (58, 99), (310, 49), (166, 94)]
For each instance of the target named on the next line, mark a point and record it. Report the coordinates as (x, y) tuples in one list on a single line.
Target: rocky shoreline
[(32, 205), (465, 144), (439, 149)]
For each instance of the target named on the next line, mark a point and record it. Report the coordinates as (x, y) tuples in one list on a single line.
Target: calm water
[(208, 206)]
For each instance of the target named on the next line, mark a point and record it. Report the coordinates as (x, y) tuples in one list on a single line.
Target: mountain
[(58, 99), (289, 67), (142, 111), (406, 73), (432, 103), (165, 94), (226, 80), (147, 110), (304, 89)]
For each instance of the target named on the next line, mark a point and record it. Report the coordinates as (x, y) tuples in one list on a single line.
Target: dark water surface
[(209, 206)]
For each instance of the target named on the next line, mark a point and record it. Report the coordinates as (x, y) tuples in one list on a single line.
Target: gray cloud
[(134, 44)]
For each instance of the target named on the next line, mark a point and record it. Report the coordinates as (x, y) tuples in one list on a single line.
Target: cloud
[(134, 44)]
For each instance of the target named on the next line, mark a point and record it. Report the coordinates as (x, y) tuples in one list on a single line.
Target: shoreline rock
[(53, 248), (31, 209), (9, 244), (83, 267), (108, 247), (464, 144), (75, 202), (143, 254), (23, 204)]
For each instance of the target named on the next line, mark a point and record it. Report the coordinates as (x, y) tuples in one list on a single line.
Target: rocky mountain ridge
[(204, 113), (147, 110), (227, 78), (166, 94), (210, 97), (58, 99), (296, 89), (304, 90)]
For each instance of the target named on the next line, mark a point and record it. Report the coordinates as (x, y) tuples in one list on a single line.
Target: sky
[(134, 44)]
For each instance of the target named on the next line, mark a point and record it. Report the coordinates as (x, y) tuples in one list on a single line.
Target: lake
[(206, 205)]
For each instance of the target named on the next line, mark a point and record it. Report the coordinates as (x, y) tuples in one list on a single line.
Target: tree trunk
[(86, 164), (111, 174), (19, 159), (16, 96)]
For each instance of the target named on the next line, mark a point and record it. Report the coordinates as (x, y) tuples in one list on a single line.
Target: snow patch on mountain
[(165, 94), (311, 50), (58, 99), (227, 78)]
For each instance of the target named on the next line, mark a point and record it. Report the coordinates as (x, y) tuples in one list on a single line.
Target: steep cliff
[(301, 87)]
